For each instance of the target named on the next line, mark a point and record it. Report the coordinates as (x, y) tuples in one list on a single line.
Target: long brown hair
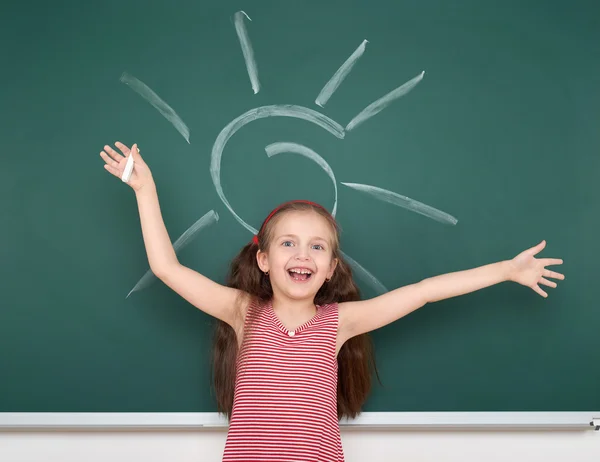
[(356, 359)]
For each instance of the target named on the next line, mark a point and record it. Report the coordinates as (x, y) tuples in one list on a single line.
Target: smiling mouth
[(300, 275)]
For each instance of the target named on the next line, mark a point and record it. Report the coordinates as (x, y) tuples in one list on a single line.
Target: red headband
[(299, 201)]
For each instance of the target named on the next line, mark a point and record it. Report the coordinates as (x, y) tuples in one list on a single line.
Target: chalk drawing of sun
[(298, 112)]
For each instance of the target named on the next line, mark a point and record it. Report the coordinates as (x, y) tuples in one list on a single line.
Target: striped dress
[(285, 402)]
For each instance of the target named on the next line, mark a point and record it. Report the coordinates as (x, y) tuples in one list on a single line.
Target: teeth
[(300, 271)]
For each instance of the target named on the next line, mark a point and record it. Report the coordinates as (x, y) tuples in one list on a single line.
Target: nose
[(302, 254)]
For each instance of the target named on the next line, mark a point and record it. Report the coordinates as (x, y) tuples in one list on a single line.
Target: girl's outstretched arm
[(213, 298), (364, 316)]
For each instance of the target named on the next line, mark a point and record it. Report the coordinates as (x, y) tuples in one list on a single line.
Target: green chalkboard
[(501, 133)]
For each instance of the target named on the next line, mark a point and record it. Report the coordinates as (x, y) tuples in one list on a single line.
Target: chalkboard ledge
[(23, 421)]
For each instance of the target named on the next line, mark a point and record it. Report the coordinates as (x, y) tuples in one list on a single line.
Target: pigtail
[(225, 350), (356, 364), (356, 358), (245, 275)]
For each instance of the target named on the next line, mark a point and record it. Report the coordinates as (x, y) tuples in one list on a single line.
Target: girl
[(291, 352)]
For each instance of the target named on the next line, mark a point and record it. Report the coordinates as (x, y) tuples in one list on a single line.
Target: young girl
[(292, 355)]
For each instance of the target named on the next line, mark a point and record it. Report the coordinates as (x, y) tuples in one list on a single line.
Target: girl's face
[(300, 256)]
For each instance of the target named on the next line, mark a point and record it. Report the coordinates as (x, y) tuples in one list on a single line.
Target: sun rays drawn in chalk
[(287, 147)]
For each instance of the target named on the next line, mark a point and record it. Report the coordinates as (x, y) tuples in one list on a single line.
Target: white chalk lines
[(242, 33), (232, 127), (188, 236), (405, 202), (379, 105), (294, 148), (376, 106), (298, 112), (364, 274), (335, 81), (162, 107)]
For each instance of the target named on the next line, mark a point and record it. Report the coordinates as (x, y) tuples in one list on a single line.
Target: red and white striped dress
[(285, 402)]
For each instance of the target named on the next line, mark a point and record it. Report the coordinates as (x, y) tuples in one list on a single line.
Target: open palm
[(115, 164), (530, 271)]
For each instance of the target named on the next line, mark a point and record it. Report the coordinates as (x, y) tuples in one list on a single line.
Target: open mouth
[(300, 275)]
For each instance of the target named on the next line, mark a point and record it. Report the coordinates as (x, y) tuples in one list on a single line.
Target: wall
[(194, 446)]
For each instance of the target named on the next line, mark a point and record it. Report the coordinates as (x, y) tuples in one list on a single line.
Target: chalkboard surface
[(484, 114)]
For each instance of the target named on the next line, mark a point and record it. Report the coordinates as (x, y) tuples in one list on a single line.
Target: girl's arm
[(214, 299), (364, 316)]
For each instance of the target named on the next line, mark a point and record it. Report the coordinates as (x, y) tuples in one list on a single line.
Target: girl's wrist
[(148, 188), (508, 270)]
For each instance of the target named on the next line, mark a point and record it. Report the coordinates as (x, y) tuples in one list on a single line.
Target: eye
[(287, 243), (318, 247)]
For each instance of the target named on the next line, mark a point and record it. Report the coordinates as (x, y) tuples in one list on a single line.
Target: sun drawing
[(299, 112)]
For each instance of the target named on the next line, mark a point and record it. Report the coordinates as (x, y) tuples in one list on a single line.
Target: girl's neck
[(283, 305)]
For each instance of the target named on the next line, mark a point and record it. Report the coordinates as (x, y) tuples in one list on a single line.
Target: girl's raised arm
[(212, 298), (364, 316)]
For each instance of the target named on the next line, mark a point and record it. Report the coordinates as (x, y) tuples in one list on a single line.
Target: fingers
[(109, 160), (540, 291), (114, 154), (113, 170), (552, 261), (538, 248), (548, 283), (553, 274), (124, 149)]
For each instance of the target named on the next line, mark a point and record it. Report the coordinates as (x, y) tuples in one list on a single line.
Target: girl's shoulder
[(256, 306), (330, 309)]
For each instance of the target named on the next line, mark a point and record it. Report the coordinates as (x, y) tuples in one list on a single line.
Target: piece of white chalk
[(128, 169)]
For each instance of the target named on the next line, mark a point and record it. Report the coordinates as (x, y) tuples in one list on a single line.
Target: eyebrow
[(317, 238)]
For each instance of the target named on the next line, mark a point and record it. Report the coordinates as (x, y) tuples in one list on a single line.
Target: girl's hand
[(529, 271), (115, 164)]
